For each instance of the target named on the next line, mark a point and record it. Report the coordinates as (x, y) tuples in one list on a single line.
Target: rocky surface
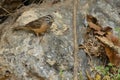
[(23, 56)]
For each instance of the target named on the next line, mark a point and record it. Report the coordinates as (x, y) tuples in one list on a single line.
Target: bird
[(39, 26)]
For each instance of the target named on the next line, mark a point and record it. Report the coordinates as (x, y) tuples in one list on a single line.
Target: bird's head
[(49, 19)]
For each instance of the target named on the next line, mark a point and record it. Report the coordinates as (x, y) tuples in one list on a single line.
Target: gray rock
[(28, 59)]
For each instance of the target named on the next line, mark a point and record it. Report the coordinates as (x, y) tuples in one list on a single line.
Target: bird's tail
[(19, 28)]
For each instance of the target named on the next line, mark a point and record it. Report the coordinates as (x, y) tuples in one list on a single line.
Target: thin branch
[(75, 41), (5, 9)]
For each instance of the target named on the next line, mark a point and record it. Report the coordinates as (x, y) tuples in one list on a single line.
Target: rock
[(27, 58)]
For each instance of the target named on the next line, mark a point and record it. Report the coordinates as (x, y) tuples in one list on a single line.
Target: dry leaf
[(109, 43), (107, 29), (92, 19), (94, 26), (113, 56), (100, 33), (114, 39), (106, 41), (110, 36), (111, 50)]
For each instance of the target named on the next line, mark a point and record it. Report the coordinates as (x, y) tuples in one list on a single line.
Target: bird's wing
[(34, 24)]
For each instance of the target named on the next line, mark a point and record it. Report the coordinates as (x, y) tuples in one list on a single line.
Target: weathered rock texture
[(23, 56)]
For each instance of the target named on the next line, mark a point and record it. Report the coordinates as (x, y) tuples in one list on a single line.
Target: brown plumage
[(38, 26)]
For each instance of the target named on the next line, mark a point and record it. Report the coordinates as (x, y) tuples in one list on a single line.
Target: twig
[(88, 76), (5, 9), (86, 50), (75, 77)]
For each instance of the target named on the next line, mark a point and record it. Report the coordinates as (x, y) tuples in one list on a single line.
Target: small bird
[(39, 26)]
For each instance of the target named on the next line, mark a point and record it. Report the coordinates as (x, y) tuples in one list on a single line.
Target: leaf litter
[(99, 42)]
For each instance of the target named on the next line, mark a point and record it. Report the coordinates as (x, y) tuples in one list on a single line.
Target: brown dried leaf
[(113, 56), (92, 19), (105, 41), (110, 36), (108, 43), (100, 33), (113, 39), (94, 26), (111, 50), (107, 29)]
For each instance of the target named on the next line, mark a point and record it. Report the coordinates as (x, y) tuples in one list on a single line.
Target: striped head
[(49, 19)]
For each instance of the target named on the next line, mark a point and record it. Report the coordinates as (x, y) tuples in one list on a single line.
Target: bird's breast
[(41, 29)]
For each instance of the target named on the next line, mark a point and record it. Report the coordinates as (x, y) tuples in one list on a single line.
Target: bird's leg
[(37, 34), (40, 38)]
